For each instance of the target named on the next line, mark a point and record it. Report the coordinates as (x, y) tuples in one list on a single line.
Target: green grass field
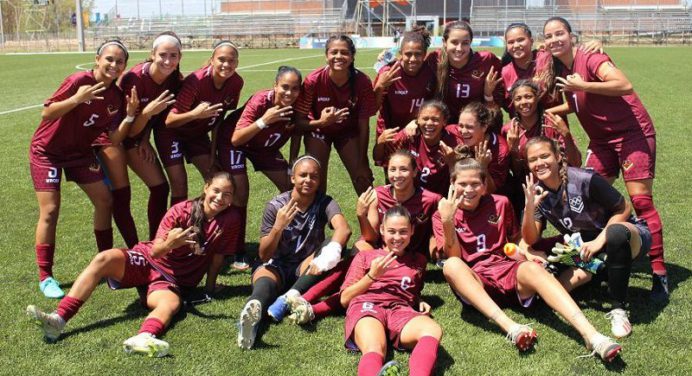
[(203, 339)]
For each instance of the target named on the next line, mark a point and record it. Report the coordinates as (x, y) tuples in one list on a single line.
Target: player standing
[(334, 108), (383, 293), (621, 132), (189, 236), (205, 94), (473, 228), (85, 105)]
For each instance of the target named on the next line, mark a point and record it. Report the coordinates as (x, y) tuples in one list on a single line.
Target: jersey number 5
[(91, 121)]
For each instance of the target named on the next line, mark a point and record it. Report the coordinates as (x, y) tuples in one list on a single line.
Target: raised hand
[(177, 237), (132, 102), (592, 46), (411, 128), (556, 122), (491, 80), (533, 194), (573, 82), (483, 154), (379, 265), (285, 215), (448, 205), (277, 113), (159, 104), (389, 77), (206, 110), (513, 135), (87, 93), (387, 136), (448, 153), (366, 199), (424, 307)]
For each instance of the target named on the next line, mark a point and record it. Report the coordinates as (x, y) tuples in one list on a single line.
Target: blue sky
[(150, 8)]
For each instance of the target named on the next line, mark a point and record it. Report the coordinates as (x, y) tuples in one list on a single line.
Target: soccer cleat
[(604, 347), (619, 323), (146, 344), (659, 288), (522, 336), (440, 263), (51, 288), (241, 263), (248, 324), (391, 368), (51, 324), (301, 310), (278, 309)]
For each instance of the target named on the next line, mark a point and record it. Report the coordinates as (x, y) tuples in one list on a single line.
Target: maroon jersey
[(320, 92), (421, 205), (182, 265), (535, 131), (400, 284), (512, 73), (272, 138), (482, 233), (499, 165), (466, 85), (404, 97), (147, 89), (434, 172), (605, 118), (199, 87), (66, 141)]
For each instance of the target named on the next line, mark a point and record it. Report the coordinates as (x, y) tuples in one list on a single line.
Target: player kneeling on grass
[(473, 227), (189, 236), (576, 200), (291, 247), (382, 291)]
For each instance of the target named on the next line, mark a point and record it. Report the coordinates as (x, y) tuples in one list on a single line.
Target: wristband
[(129, 119), (369, 276), (489, 98), (260, 123)]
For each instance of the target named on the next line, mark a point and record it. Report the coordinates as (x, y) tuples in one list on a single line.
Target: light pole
[(80, 26)]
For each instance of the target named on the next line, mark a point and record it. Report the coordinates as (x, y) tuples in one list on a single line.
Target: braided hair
[(556, 149), (443, 64)]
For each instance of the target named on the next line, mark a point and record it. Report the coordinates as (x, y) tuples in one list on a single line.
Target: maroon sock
[(644, 207), (177, 199), (68, 307), (104, 239), (123, 216), (156, 208), (370, 364), (152, 326), (44, 260), (330, 283), (240, 245), (330, 306), (423, 357)]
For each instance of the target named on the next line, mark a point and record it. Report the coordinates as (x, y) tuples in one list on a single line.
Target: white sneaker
[(51, 324), (146, 344), (250, 317), (606, 348), (301, 310), (619, 323)]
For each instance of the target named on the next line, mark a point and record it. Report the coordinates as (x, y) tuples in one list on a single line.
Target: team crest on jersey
[(627, 164), (228, 101), (112, 110), (576, 204), (477, 74), (422, 218), (493, 219)]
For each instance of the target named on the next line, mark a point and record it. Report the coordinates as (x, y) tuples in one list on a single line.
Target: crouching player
[(189, 236), (382, 291), (473, 227)]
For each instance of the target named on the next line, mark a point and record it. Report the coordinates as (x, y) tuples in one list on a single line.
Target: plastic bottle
[(512, 251)]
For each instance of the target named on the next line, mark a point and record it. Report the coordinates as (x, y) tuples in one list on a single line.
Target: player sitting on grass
[(189, 235)]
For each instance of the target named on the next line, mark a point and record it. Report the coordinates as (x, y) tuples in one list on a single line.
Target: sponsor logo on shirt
[(576, 204), (144, 100), (401, 92), (323, 99), (493, 219), (460, 230)]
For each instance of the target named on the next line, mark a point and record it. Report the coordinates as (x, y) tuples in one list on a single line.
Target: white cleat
[(51, 324), (250, 317), (146, 344)]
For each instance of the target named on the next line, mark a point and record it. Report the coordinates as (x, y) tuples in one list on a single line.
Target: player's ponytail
[(443, 64), (397, 211), (284, 69), (418, 34), (197, 217)]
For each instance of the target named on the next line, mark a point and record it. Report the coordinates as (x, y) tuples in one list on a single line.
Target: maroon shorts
[(172, 148), (46, 176), (330, 140), (140, 273), (234, 161), (635, 156), (393, 318), (500, 282)]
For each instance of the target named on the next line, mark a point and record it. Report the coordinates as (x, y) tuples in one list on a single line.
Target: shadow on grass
[(434, 275), (444, 362), (133, 310), (435, 301)]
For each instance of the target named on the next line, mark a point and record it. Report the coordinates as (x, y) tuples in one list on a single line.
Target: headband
[(300, 159), (166, 38), (226, 43), (112, 43)]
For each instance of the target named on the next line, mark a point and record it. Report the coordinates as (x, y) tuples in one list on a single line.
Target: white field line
[(79, 67)]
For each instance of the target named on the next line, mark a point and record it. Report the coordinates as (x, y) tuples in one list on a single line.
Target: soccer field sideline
[(203, 340)]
